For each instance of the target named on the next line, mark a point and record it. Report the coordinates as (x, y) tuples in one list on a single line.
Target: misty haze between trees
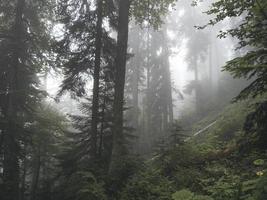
[(133, 100)]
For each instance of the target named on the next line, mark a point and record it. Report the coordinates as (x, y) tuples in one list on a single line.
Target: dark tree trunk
[(35, 175), (95, 107), (10, 165), (11, 146), (118, 148), (100, 148), (23, 177)]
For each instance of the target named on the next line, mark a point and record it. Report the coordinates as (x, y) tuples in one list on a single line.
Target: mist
[(133, 99)]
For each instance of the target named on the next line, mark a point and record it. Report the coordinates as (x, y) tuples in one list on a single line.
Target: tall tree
[(86, 51), (23, 43), (98, 48), (11, 146), (251, 64), (118, 148), (138, 10)]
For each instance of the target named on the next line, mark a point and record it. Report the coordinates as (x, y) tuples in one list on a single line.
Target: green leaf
[(259, 162)]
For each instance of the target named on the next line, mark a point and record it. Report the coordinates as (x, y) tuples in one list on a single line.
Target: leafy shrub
[(261, 188), (83, 186), (188, 195), (148, 185)]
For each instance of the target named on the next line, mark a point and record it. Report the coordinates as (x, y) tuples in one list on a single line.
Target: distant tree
[(150, 12), (251, 63), (250, 33), (135, 80)]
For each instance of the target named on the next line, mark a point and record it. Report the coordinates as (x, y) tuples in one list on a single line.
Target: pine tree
[(23, 43), (251, 63), (86, 51), (118, 148)]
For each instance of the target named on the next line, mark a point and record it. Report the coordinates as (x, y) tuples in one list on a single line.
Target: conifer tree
[(23, 43)]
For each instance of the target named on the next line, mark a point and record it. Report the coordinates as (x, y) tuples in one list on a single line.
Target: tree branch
[(261, 9)]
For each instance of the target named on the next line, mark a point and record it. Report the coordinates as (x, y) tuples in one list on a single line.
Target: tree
[(23, 43), (118, 149), (252, 36), (251, 33), (86, 51), (141, 11), (98, 48), (47, 135)]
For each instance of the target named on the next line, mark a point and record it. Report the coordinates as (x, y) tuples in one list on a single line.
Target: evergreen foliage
[(92, 154)]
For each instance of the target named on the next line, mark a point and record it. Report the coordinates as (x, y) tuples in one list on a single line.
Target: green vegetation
[(123, 142), (217, 165)]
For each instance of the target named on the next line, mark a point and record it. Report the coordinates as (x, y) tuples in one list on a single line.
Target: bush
[(148, 185), (83, 186), (187, 195)]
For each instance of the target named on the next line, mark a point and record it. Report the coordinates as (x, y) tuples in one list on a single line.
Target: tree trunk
[(197, 89), (36, 173), (148, 133), (23, 177), (135, 94), (210, 67), (100, 148), (98, 45), (11, 146), (118, 148), (168, 82)]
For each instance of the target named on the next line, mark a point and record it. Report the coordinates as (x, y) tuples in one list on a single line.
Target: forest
[(133, 100)]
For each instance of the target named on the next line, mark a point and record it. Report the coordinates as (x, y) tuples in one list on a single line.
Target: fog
[(181, 28), (194, 57), (133, 99)]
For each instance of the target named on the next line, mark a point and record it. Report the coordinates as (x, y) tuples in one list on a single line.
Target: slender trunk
[(1, 142), (98, 46), (136, 96), (197, 89), (118, 148), (11, 149), (210, 66), (23, 177), (169, 91), (149, 137), (46, 80), (35, 176), (216, 67), (100, 149), (148, 101), (10, 165)]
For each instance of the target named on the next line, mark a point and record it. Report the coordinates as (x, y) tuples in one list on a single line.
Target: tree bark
[(36, 173), (118, 148), (23, 177), (100, 148), (98, 46), (11, 146)]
